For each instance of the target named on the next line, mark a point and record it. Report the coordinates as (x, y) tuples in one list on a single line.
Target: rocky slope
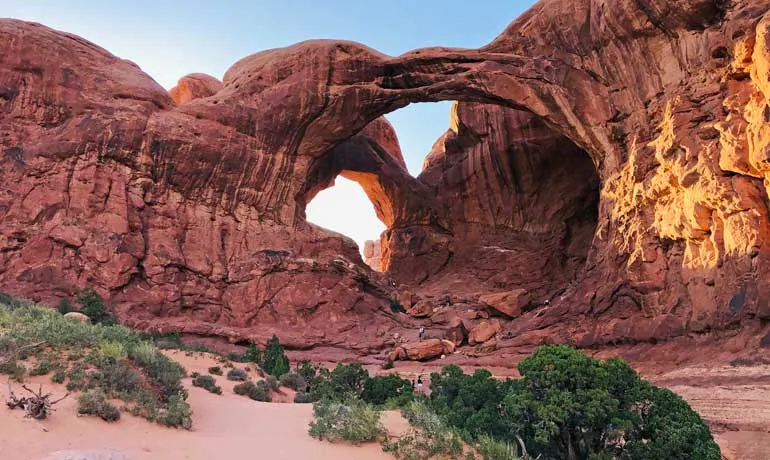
[(607, 161)]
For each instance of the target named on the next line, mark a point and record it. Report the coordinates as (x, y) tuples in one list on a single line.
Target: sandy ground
[(225, 426), (734, 401)]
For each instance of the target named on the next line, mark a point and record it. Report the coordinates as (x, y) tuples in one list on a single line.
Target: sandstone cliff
[(610, 158)]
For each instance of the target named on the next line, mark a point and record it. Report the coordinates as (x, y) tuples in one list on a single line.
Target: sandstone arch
[(180, 212)]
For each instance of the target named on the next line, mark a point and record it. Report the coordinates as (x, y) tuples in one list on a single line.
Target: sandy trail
[(226, 426)]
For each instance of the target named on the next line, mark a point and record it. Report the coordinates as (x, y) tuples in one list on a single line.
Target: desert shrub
[(64, 306), (352, 421), (43, 367), (208, 383), (669, 429), (59, 376), (92, 305), (274, 361), (388, 364), (491, 449), (94, 402), (114, 351), (118, 378), (272, 383), (307, 371), (294, 381), (570, 405), (256, 391), (429, 437), (195, 374), (163, 372), (303, 398), (348, 380), (252, 355), (6, 299), (236, 357), (177, 413), (237, 374), (170, 341), (469, 402), (396, 307), (215, 370), (119, 361), (13, 370), (378, 390)]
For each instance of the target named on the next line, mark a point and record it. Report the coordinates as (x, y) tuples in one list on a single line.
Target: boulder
[(456, 333), (406, 297), (421, 351), (422, 309), (484, 331), (510, 303), (76, 315), (195, 86)]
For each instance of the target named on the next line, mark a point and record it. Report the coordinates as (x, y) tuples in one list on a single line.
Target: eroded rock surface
[(613, 162)]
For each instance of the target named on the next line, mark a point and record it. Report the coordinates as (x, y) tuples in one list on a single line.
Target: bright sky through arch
[(169, 39)]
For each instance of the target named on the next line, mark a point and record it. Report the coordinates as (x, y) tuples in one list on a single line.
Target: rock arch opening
[(500, 188), (345, 208), (518, 194)]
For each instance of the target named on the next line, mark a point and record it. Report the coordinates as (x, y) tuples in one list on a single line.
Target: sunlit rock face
[(373, 254), (612, 161)]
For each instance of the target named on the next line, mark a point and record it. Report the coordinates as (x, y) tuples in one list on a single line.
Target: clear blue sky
[(169, 39)]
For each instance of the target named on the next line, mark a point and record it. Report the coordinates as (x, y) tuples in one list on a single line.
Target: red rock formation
[(373, 254), (195, 86), (621, 174)]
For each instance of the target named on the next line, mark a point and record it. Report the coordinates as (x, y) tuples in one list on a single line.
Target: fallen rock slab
[(484, 331), (420, 351), (510, 303)]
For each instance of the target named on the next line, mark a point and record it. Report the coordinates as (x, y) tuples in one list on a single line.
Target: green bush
[(252, 355), (275, 361), (256, 391), (470, 402), (215, 370), (208, 383), (294, 381), (348, 380), (177, 413), (378, 390), (94, 402), (118, 378), (64, 306), (569, 405), (92, 305), (352, 421), (59, 376), (120, 362), (303, 398), (272, 383), (307, 371), (114, 351), (13, 370), (492, 449), (429, 437), (237, 374), (42, 367), (396, 307)]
